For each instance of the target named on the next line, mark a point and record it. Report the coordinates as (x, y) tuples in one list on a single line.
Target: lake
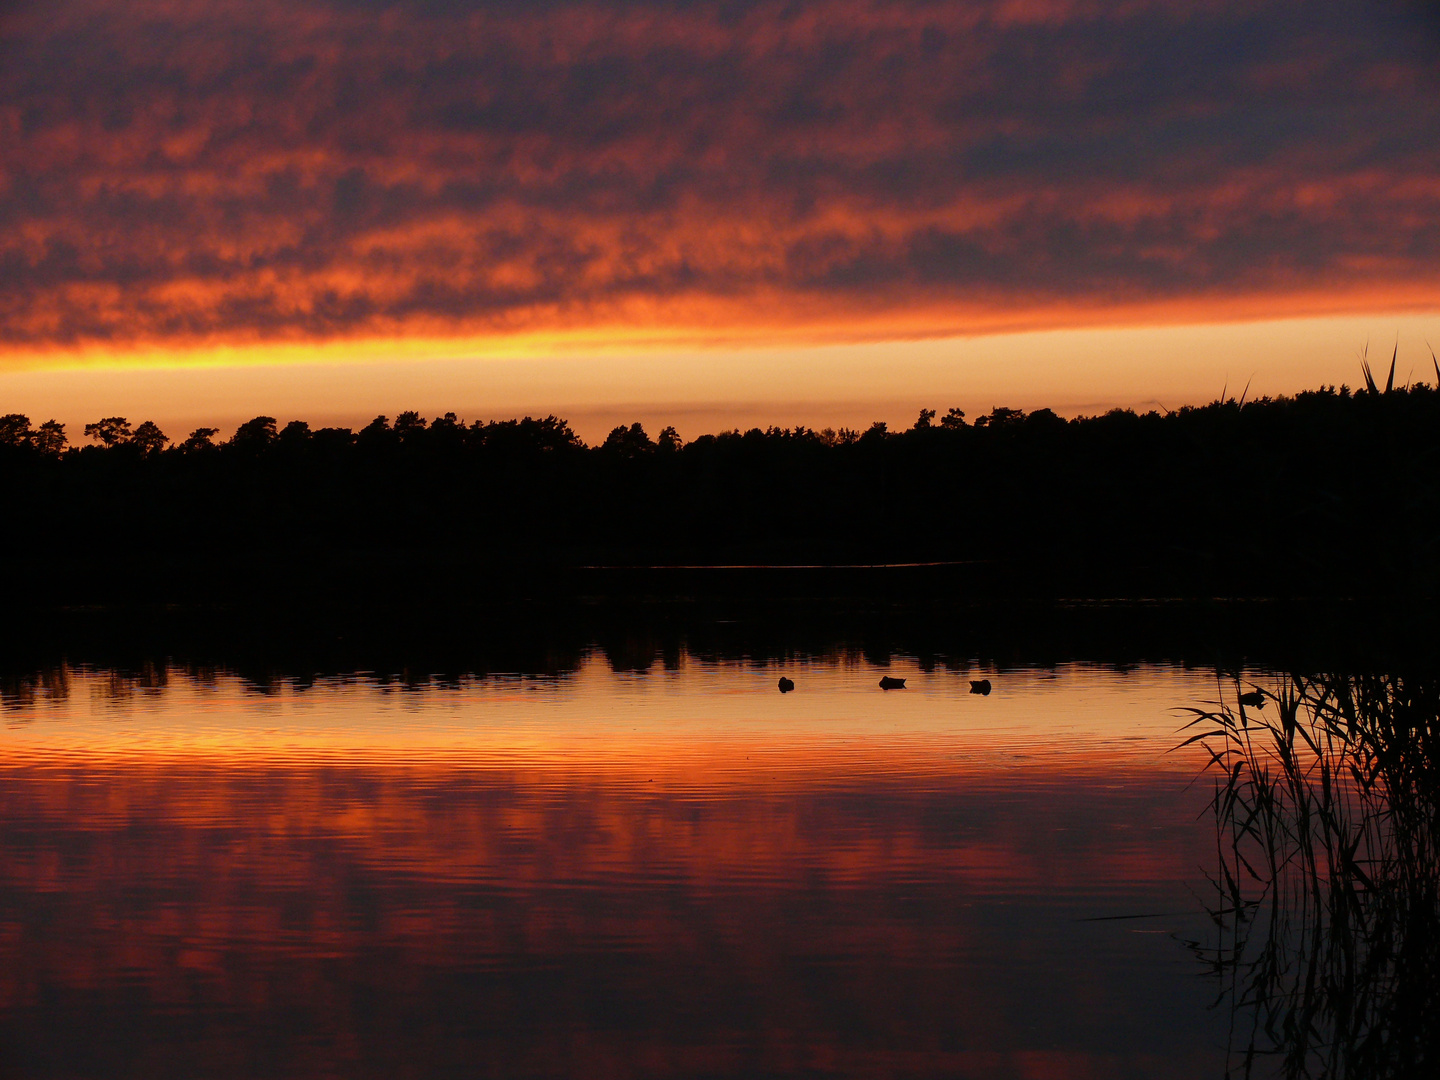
[(609, 866)]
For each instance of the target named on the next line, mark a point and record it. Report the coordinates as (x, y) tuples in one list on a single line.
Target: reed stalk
[(1326, 803)]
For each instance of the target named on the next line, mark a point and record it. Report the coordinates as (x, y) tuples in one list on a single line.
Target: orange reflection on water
[(864, 899), (713, 716)]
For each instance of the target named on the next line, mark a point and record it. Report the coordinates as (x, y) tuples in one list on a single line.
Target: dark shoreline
[(1327, 494), (419, 641)]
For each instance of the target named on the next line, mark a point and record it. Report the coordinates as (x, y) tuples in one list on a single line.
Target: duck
[(786, 685), (980, 686), (1255, 699), (887, 683)]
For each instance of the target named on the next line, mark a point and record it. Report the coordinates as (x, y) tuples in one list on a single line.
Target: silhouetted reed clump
[(1328, 493), (1327, 810)]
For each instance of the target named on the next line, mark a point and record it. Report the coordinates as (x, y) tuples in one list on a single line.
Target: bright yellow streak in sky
[(700, 389)]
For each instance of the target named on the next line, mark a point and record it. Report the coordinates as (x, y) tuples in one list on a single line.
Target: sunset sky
[(708, 213)]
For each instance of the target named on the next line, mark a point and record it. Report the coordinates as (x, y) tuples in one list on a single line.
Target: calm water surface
[(676, 872)]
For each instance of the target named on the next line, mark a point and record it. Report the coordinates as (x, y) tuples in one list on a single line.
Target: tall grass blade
[(1365, 370), (1327, 815)]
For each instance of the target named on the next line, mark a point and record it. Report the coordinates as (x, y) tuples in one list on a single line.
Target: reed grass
[(1326, 804)]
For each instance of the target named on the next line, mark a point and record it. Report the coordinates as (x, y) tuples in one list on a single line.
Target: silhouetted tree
[(409, 425), (628, 442), (446, 432), (554, 434), (50, 439), (255, 434), (333, 438), (15, 430), (922, 422), (111, 431), (999, 417), (375, 434), (149, 438), (1033, 500), (202, 438)]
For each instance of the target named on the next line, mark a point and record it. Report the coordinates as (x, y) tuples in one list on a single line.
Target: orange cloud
[(186, 176)]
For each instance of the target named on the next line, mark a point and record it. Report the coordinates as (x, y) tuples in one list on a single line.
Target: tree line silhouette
[(1329, 492)]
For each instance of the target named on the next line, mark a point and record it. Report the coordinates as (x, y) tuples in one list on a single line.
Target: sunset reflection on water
[(671, 872)]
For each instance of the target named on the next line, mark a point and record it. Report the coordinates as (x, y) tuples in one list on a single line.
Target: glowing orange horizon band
[(725, 325)]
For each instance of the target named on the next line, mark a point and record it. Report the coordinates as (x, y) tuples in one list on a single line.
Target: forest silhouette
[(1327, 493)]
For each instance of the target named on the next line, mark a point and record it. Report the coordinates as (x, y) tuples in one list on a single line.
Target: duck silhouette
[(887, 683), (786, 685), (1255, 699), (980, 686)]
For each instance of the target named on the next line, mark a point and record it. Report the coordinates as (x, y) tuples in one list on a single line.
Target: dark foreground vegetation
[(1330, 493), (1327, 892)]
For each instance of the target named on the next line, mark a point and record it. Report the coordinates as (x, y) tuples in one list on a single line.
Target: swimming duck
[(786, 685), (887, 683)]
